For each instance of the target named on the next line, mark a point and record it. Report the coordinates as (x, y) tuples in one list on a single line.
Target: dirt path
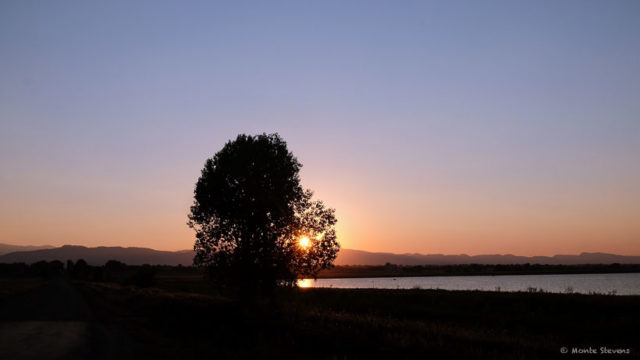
[(54, 322)]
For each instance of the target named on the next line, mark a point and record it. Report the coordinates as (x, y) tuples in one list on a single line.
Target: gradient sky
[(434, 127)]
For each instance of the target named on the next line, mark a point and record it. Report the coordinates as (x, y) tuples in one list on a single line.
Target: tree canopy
[(255, 225)]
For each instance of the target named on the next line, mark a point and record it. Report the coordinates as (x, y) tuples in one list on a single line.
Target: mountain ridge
[(140, 255), (9, 248)]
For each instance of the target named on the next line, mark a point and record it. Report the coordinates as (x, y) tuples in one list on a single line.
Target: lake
[(620, 284)]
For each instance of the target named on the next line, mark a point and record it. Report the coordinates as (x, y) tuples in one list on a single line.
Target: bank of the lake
[(184, 317), (611, 284), (393, 270), (368, 323)]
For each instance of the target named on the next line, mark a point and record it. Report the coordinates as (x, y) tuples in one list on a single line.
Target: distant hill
[(7, 248), (100, 255), (139, 256), (359, 257)]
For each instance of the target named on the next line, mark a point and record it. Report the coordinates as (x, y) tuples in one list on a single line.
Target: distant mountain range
[(6, 248), (100, 255), (139, 256), (358, 257)]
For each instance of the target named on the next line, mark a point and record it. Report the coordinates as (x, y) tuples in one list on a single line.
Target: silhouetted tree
[(80, 270), (142, 276), (14, 269), (47, 269), (114, 270), (69, 267), (250, 214)]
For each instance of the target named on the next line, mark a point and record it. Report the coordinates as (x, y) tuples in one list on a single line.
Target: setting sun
[(304, 242)]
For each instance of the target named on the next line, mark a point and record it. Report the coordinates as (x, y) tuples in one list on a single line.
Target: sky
[(431, 127)]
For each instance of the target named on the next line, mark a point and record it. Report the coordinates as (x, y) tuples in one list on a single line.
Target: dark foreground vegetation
[(332, 323), (145, 275), (176, 314), (392, 270)]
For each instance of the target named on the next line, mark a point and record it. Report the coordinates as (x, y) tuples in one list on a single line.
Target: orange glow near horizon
[(396, 215), (388, 223)]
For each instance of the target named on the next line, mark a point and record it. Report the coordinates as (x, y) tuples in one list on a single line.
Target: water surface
[(620, 284)]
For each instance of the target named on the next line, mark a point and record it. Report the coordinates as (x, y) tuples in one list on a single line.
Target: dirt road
[(54, 322)]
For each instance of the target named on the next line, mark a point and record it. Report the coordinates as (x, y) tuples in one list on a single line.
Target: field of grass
[(12, 286), (183, 318), (180, 315)]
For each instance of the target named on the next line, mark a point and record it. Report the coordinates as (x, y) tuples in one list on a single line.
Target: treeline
[(392, 270), (112, 271), (146, 275)]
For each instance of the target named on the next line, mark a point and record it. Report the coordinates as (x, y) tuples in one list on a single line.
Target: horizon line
[(48, 247)]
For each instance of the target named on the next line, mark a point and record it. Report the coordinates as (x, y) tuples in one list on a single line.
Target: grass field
[(184, 318), (14, 286)]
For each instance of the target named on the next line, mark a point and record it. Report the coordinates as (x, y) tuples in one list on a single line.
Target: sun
[(304, 242)]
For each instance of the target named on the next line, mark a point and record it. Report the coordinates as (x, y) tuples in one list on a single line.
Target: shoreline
[(393, 271), (375, 276)]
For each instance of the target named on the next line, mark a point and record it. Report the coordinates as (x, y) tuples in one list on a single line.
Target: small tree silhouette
[(255, 225)]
